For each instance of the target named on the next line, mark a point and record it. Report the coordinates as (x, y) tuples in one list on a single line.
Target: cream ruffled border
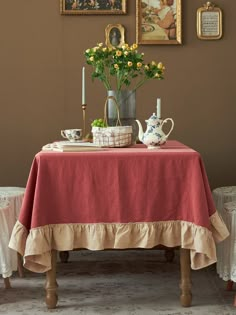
[(36, 245)]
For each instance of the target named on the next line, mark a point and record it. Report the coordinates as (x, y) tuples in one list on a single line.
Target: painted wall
[(41, 56)]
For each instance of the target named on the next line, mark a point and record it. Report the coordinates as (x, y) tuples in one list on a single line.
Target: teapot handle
[(172, 125)]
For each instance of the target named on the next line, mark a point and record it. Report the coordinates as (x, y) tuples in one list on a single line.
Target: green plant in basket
[(122, 67), (99, 123)]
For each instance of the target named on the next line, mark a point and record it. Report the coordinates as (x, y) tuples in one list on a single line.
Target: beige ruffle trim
[(36, 245)]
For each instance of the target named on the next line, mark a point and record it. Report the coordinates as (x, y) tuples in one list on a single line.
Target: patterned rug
[(118, 282)]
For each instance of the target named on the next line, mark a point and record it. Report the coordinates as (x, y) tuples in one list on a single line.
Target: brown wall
[(41, 56)]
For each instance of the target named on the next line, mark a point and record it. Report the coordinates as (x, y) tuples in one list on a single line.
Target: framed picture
[(115, 35), (93, 6), (158, 22), (209, 22)]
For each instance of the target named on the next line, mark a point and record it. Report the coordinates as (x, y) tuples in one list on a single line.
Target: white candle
[(158, 108), (83, 86)]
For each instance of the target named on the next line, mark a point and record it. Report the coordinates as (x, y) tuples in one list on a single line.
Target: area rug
[(128, 282)]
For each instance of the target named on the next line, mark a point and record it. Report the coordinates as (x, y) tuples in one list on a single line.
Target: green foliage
[(125, 64), (98, 123)]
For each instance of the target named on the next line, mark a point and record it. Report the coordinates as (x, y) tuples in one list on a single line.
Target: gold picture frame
[(115, 35), (209, 22), (74, 7), (158, 22)]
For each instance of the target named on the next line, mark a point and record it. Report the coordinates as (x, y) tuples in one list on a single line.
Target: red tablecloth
[(118, 198)]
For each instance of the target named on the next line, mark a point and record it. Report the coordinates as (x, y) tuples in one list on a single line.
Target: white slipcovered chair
[(225, 202), (10, 203)]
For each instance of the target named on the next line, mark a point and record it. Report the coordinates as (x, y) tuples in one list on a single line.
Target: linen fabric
[(118, 198), (10, 204)]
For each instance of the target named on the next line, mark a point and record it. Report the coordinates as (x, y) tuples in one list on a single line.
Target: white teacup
[(72, 134)]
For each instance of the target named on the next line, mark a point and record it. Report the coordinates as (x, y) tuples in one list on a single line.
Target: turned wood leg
[(234, 304), (20, 268), (169, 254), (64, 256), (229, 286), (7, 283), (185, 283), (51, 283)]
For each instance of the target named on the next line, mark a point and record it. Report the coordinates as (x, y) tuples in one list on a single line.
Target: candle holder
[(84, 118)]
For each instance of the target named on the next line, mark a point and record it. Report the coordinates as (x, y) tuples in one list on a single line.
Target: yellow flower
[(118, 53), (122, 67)]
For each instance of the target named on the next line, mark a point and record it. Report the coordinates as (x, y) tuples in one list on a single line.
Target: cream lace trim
[(36, 245)]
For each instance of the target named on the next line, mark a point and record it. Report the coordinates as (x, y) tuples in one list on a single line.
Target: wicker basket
[(119, 136), (112, 137)]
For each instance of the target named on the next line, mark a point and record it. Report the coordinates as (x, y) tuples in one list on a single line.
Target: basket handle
[(118, 122)]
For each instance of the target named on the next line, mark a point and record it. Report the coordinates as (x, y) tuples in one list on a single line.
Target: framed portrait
[(209, 22), (72, 7), (115, 35), (158, 22)]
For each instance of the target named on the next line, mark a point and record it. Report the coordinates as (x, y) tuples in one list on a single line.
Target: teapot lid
[(153, 119)]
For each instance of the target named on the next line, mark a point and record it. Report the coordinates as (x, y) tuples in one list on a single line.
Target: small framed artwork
[(209, 22), (115, 35), (92, 7), (158, 22)]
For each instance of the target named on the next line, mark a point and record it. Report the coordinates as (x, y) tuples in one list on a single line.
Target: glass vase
[(126, 101)]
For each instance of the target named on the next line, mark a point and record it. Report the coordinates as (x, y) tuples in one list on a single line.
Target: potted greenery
[(122, 70)]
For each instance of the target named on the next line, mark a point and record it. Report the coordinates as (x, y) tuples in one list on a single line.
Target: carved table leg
[(185, 283), (229, 286), (7, 283), (169, 254), (51, 283), (64, 256), (20, 265), (234, 304)]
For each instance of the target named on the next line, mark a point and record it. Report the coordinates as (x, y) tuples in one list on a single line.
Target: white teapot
[(154, 136)]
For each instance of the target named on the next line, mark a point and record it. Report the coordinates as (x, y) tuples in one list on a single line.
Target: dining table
[(118, 198)]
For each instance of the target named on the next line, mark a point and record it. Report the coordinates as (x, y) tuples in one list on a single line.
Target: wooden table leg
[(20, 265), (229, 286), (7, 283), (64, 256), (185, 283), (169, 254), (51, 283)]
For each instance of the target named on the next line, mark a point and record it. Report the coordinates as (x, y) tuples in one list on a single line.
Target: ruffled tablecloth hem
[(36, 245)]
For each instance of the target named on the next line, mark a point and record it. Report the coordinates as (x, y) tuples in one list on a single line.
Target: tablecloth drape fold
[(36, 244)]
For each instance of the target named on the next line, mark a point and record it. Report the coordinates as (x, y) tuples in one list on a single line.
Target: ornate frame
[(209, 22), (120, 30), (74, 7), (150, 32)]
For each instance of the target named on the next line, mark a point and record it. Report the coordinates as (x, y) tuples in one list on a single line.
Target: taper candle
[(158, 108), (83, 86)]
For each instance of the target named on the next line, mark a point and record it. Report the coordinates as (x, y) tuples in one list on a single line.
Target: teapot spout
[(140, 130)]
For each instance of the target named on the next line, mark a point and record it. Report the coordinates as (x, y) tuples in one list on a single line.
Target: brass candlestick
[(84, 119)]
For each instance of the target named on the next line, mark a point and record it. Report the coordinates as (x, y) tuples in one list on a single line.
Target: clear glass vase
[(126, 101)]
